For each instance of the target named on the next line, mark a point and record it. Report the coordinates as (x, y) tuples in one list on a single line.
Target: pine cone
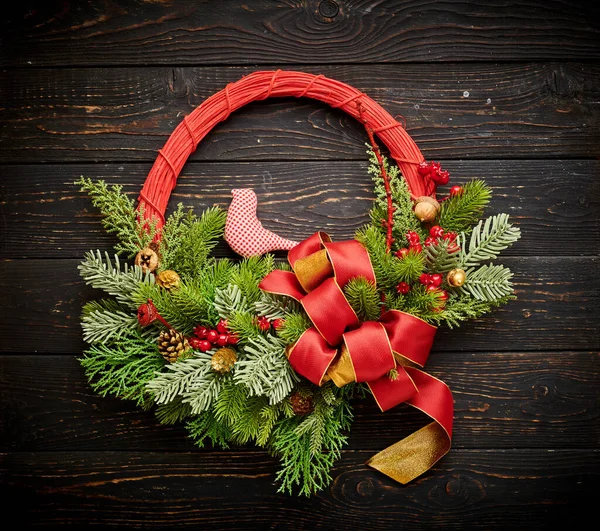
[(168, 279), (222, 360), (302, 405), (173, 346)]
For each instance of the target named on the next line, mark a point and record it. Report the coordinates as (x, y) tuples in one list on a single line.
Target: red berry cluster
[(414, 244), (434, 171), (433, 283), (264, 324), (436, 233), (206, 338)]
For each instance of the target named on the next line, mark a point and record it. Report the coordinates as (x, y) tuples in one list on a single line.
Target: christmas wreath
[(273, 352)]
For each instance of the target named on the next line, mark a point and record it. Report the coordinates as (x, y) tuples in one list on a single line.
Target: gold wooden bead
[(168, 279), (456, 278), (147, 259), (426, 208)]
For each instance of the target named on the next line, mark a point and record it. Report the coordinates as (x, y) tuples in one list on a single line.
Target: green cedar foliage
[(119, 216)]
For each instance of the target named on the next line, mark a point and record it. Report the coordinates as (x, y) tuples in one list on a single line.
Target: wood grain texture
[(467, 489), (452, 111), (45, 216), (262, 32), (502, 400), (44, 300)]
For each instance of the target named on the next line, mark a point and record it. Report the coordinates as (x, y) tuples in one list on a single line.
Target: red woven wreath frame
[(275, 84)]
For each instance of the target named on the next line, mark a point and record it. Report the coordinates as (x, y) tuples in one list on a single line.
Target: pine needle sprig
[(294, 326), (275, 306), (438, 259), (488, 239), (488, 283), (108, 323), (205, 426), (460, 212), (116, 279), (364, 299), (173, 412), (230, 300)]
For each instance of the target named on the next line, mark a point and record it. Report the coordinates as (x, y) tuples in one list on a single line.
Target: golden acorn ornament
[(173, 346), (426, 208), (147, 259), (223, 360), (168, 279), (456, 278)]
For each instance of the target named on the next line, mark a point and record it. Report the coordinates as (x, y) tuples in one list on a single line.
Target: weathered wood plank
[(466, 490), (264, 32), (502, 400), (43, 301), (453, 111), (555, 202)]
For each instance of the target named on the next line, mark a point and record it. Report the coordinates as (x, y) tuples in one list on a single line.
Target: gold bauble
[(456, 278), (147, 259), (426, 208), (168, 279), (223, 360)]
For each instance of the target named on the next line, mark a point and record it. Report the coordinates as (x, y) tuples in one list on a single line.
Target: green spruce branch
[(460, 212), (275, 306), (488, 283), (364, 299)]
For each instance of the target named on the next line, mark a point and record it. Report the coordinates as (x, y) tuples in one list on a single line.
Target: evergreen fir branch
[(179, 379), (264, 369), (190, 249), (275, 306), (488, 239), (102, 325), (244, 326), (173, 412), (249, 425), (120, 281), (389, 270), (119, 216), (294, 326), (488, 283), (203, 391), (178, 317), (249, 274), (438, 259), (418, 302), (230, 300), (270, 414), (206, 426), (229, 406), (460, 212), (123, 368), (363, 297)]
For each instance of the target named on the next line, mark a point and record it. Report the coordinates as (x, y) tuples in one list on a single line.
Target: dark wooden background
[(504, 90)]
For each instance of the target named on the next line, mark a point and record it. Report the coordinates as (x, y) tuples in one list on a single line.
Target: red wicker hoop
[(262, 85)]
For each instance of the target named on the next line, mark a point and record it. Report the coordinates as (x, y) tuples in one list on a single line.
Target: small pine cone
[(168, 279), (147, 259), (223, 360), (173, 346), (302, 405)]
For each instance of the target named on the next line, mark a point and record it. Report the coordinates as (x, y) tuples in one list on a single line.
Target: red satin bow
[(371, 349)]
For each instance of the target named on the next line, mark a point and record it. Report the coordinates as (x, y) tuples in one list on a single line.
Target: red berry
[(263, 323), (436, 280), (222, 340), (450, 236), (278, 323), (456, 190), (430, 241), (412, 237), (212, 336), (432, 288), (222, 326), (436, 231), (232, 339), (200, 331), (194, 342), (401, 253), (424, 168), (416, 247), (453, 248), (443, 295), (403, 288), (204, 345), (424, 279), (443, 177)]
